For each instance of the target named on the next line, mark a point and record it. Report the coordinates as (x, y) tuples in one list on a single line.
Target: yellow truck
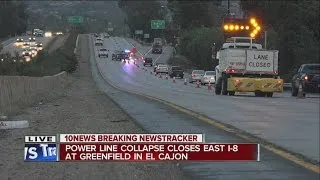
[(245, 67)]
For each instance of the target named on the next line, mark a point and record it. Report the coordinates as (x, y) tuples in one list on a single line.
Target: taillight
[(230, 70), (306, 78)]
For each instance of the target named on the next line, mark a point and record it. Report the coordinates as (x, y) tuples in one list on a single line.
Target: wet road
[(288, 122), (159, 118)]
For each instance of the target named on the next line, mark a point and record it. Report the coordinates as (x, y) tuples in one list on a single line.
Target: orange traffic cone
[(185, 82), (174, 80), (198, 84), (209, 86), (301, 94)]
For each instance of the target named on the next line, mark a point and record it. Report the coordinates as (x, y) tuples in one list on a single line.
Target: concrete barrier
[(17, 91)]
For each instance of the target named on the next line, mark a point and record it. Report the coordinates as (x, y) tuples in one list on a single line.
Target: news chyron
[(40, 149)]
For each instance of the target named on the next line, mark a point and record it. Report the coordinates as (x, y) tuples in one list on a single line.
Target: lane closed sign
[(262, 61)]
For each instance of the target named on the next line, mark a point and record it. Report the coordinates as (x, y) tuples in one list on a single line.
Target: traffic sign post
[(158, 24), (75, 19)]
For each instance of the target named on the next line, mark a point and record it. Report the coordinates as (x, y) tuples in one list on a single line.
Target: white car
[(98, 43), (103, 53), (209, 76), (162, 69)]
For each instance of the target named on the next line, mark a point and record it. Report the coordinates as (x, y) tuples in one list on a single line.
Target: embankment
[(20, 91)]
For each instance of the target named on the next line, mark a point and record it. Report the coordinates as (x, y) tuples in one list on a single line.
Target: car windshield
[(103, 49), (148, 59), (210, 73), (312, 69), (198, 72)]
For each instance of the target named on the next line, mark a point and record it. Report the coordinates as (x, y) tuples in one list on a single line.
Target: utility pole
[(228, 7)]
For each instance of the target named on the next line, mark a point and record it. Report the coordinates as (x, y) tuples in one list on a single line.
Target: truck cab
[(244, 66)]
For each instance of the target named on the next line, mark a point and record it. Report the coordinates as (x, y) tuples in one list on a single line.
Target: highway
[(285, 121), (156, 117), (9, 45)]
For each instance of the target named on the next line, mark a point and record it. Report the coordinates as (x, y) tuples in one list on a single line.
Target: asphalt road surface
[(159, 118), (9, 45), (285, 121)]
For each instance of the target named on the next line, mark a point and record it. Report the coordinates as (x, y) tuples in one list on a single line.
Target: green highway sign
[(75, 19), (158, 24)]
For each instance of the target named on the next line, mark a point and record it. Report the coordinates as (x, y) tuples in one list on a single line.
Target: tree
[(139, 15), (296, 24), (13, 18)]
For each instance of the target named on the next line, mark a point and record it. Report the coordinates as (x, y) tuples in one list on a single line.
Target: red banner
[(159, 152)]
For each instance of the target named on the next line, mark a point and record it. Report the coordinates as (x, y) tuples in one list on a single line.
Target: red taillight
[(230, 70)]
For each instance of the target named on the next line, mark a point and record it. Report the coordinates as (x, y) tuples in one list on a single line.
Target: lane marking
[(286, 154)]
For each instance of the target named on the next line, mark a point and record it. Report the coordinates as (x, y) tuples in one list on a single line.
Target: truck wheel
[(269, 94), (218, 87), (232, 93), (224, 85), (259, 94)]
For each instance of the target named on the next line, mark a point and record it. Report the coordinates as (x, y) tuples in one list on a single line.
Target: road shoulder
[(81, 109)]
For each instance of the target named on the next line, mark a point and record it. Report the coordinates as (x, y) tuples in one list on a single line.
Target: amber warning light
[(251, 26)]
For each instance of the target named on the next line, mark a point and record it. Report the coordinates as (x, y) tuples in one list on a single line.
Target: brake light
[(230, 70)]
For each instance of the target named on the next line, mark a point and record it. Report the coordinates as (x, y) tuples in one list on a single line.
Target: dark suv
[(148, 62), (176, 71), (308, 76)]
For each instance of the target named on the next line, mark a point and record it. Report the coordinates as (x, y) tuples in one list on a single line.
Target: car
[(209, 76), (34, 50), (26, 44), (103, 53), (27, 52), (162, 69), (106, 35), (39, 46), (32, 40), (99, 38), (155, 66), (308, 76), (19, 42), (148, 62), (98, 43), (96, 35), (196, 75), (176, 71), (119, 56)]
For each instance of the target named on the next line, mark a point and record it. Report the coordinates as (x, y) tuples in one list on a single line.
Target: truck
[(157, 46), (38, 33), (246, 67)]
